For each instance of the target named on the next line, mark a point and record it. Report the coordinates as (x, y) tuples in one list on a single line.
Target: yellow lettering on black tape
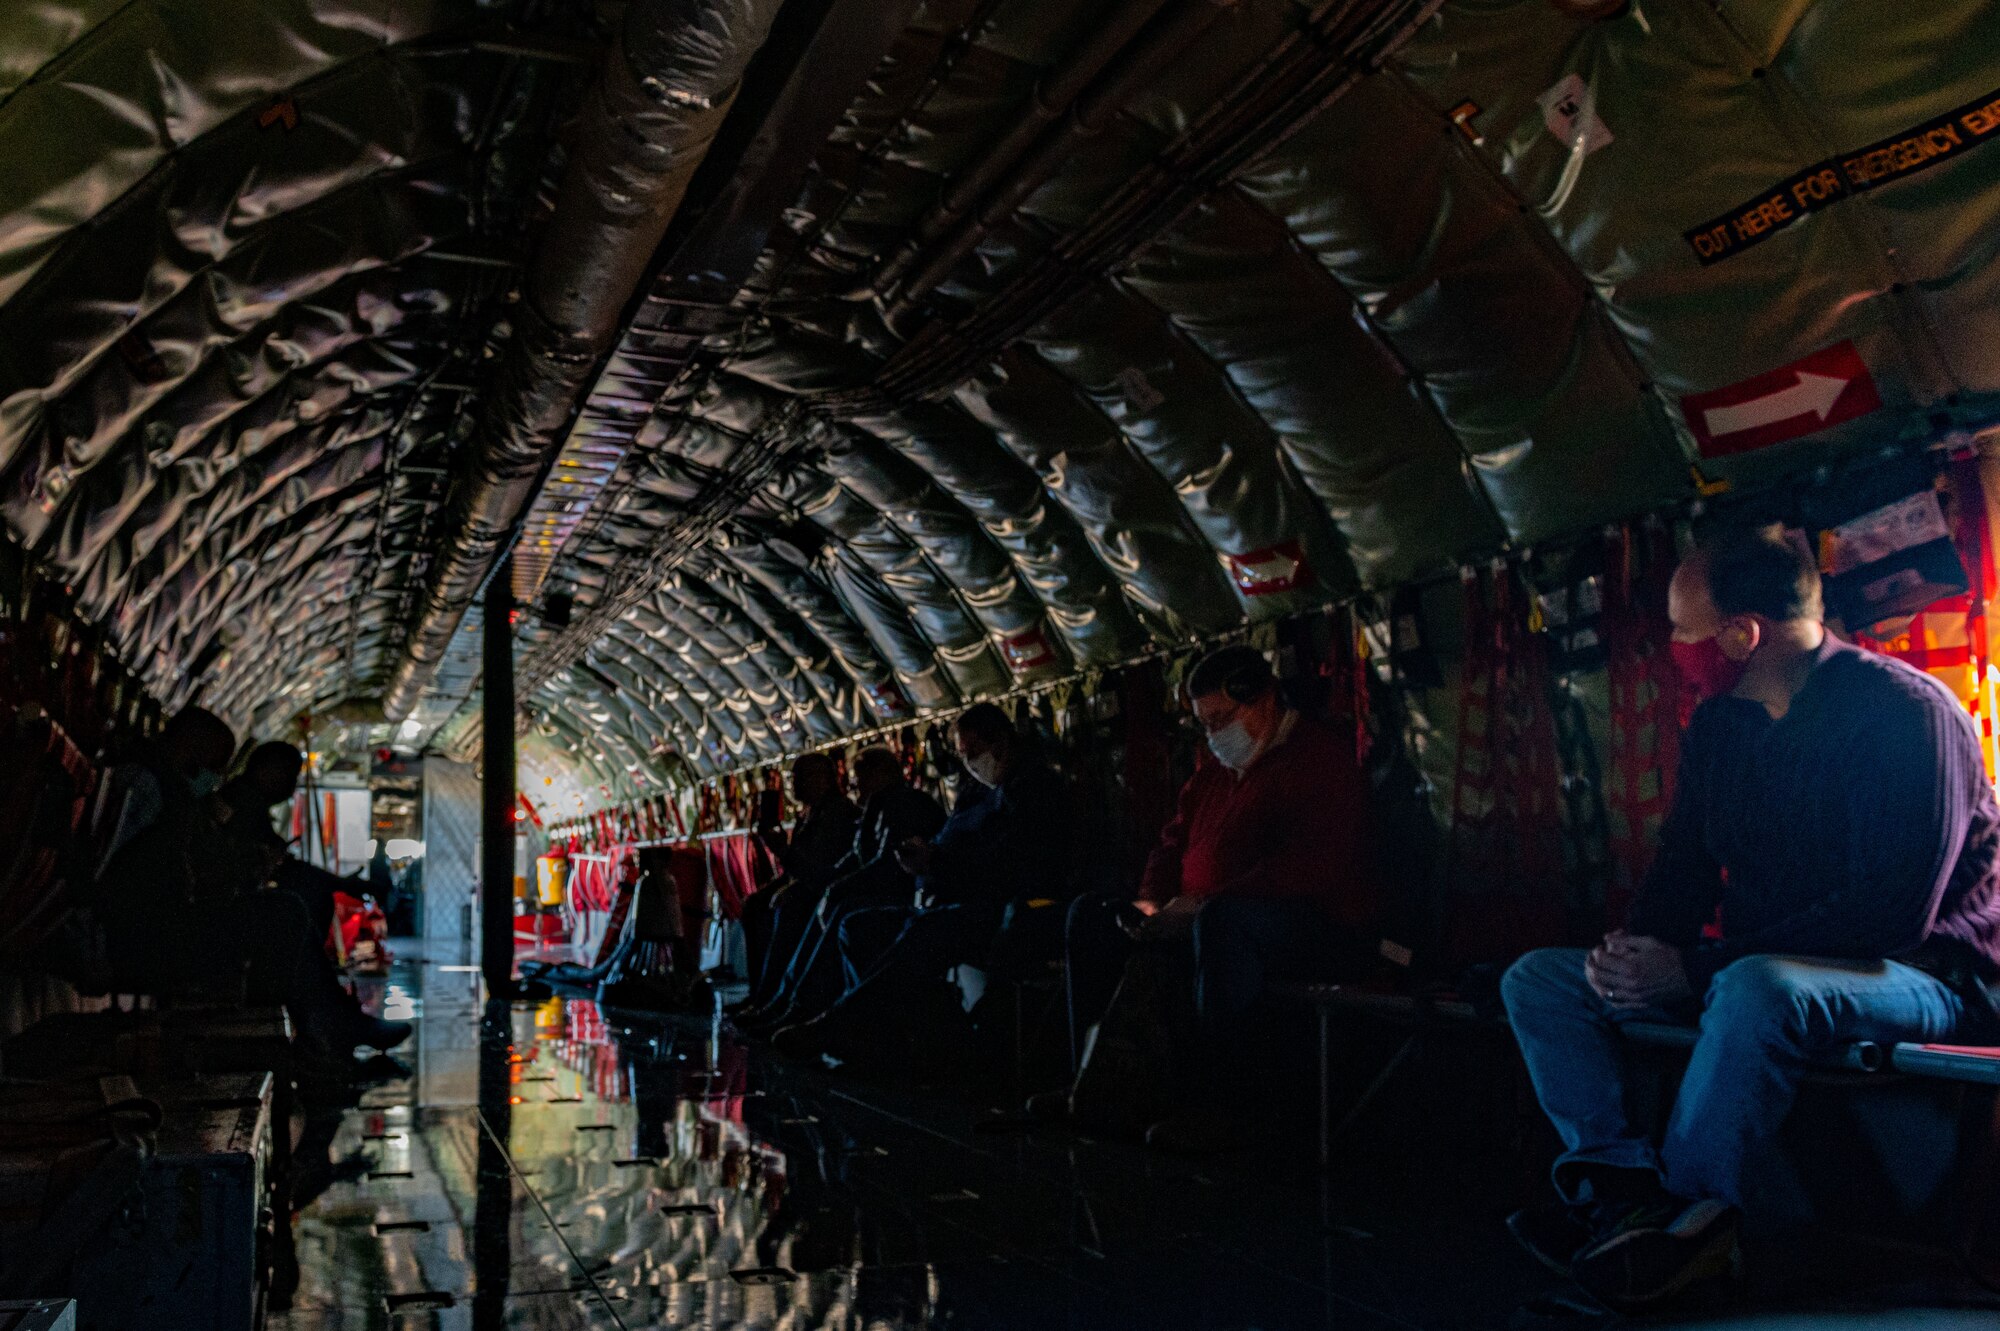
[(1826, 183)]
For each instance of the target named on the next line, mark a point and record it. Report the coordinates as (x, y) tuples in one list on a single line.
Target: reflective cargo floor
[(571, 1171)]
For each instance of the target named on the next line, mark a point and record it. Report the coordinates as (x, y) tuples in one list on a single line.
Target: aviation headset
[(1248, 682), (1248, 679)]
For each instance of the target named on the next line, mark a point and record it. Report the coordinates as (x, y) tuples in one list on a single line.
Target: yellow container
[(551, 879)]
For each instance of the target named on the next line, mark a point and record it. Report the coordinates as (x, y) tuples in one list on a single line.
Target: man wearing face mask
[(805, 948), (1832, 806), (1268, 868), (175, 912), (149, 816), (1008, 836), (774, 918)]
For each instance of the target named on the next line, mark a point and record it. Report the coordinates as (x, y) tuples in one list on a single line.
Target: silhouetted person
[(810, 856), (173, 905), (1008, 837), (270, 777), (805, 950)]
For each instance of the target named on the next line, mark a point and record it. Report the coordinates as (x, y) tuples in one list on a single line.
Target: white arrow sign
[(1812, 393)]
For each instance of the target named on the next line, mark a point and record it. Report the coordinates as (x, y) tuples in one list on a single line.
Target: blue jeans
[(1762, 1021)]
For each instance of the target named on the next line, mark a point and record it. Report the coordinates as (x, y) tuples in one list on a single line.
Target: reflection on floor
[(566, 1172)]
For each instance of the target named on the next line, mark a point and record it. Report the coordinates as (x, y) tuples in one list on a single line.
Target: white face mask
[(985, 768), (1232, 746), (205, 783)]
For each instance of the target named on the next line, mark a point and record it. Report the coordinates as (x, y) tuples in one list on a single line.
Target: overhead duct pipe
[(1053, 93), (1125, 74), (645, 127)]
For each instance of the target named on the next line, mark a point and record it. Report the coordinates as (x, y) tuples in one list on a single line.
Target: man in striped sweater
[(1833, 809)]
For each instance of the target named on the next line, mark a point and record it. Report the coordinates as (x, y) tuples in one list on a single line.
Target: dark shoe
[(763, 1025), (1047, 1107), (804, 1039), (1197, 1132), (845, 1038), (1653, 1256), (325, 1080), (1561, 1311), (1039, 1108), (377, 1069), (693, 994), (378, 1034), (1553, 1234)]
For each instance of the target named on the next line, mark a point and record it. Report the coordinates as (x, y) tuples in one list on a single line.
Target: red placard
[(1028, 650), (1825, 388), (1267, 572), (886, 698)]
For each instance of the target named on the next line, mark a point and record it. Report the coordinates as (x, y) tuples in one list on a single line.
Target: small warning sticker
[(1825, 388), (281, 111), (886, 698), (1267, 572), (1139, 390), (1027, 650), (1569, 109), (1463, 115)]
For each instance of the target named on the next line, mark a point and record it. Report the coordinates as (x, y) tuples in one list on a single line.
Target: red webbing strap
[(1149, 771), (1646, 704), (716, 853), (1344, 668), (1472, 769), (729, 868), (1531, 771), (1966, 611), (1364, 702), (1973, 542), (620, 907), (1912, 647), (1351, 678), (1971, 533), (1505, 877)]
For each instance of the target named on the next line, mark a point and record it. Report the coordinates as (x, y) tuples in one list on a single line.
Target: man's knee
[(1757, 995), (1225, 922), (1547, 976)]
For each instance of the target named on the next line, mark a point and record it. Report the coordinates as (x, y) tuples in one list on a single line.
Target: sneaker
[(1047, 1106), (379, 1068), (763, 1025), (1200, 1132), (1651, 1257), (804, 1039), (1553, 1233), (1039, 1108)]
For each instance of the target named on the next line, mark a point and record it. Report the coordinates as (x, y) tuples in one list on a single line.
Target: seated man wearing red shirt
[(1268, 866)]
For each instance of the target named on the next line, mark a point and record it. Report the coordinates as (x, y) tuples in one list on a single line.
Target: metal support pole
[(1325, 1089), (493, 1219), (497, 789)]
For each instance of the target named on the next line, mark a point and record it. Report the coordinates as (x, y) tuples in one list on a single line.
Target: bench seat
[(1977, 1064), (1859, 1056)]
